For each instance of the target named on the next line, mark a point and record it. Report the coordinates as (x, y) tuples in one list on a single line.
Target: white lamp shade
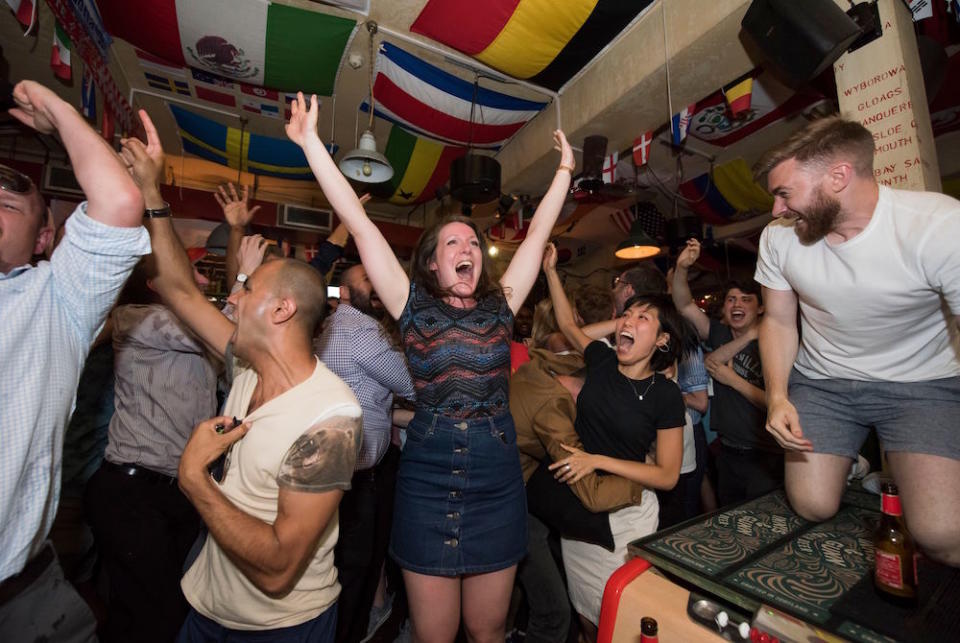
[(365, 164)]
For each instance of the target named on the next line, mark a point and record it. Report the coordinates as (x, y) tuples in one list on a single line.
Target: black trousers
[(745, 474), (143, 528), (366, 514)]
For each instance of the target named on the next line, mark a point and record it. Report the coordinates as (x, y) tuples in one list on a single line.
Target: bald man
[(267, 562), (50, 314), (356, 347)]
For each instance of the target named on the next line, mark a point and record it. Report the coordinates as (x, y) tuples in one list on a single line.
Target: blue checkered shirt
[(49, 316), (355, 347), (692, 377)]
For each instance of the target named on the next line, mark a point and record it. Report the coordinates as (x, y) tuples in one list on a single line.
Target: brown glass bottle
[(648, 630), (895, 573)]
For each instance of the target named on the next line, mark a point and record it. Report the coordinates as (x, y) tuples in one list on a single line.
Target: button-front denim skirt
[(460, 505)]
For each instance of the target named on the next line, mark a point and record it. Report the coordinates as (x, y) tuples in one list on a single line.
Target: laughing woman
[(459, 525), (626, 404)]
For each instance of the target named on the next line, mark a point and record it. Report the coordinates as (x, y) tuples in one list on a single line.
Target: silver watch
[(241, 278)]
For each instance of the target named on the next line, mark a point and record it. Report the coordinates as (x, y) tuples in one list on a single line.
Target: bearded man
[(877, 278)]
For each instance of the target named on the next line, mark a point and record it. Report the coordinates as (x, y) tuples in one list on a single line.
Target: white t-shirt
[(879, 306), (213, 585)]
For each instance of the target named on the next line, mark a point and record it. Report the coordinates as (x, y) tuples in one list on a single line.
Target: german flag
[(543, 41)]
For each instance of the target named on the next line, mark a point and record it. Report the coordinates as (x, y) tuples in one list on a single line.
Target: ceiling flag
[(609, 173), (60, 54), (641, 148), (680, 122), (738, 97)]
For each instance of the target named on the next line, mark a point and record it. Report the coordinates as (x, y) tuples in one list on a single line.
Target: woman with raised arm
[(625, 406), (459, 526)]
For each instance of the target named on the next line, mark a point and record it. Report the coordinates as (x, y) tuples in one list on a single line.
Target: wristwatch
[(157, 213), (241, 278)]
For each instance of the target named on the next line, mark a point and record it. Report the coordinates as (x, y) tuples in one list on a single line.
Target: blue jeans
[(200, 629), (549, 608)]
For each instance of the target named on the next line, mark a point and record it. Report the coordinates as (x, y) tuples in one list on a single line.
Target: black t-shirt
[(611, 420), (734, 417)]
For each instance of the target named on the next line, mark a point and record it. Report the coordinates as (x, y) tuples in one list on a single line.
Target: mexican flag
[(60, 54), (255, 41)]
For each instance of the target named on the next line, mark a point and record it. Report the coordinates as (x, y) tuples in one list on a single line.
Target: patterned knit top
[(459, 358)]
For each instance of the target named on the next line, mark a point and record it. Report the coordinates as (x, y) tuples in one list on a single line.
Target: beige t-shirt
[(286, 431)]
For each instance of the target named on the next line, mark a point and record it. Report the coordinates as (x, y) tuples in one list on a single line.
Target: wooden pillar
[(881, 85)]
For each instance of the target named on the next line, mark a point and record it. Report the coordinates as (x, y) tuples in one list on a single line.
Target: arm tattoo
[(323, 457)]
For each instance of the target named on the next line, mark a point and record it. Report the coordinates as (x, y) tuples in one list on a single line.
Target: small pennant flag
[(680, 122), (610, 167), (259, 92), (214, 96), (60, 54), (167, 84), (641, 148), (211, 79), (23, 9), (738, 97), (88, 96), (256, 106)]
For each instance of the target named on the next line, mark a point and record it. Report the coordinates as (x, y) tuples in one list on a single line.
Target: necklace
[(653, 380)]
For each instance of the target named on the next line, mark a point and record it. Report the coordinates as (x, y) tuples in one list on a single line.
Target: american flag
[(650, 218)]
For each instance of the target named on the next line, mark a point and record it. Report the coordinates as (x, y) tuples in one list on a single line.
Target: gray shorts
[(915, 417)]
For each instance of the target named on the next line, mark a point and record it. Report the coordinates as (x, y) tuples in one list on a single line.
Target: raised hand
[(549, 257), (33, 108), (250, 254), (303, 119), (234, 205), (566, 152), (689, 255), (144, 161)]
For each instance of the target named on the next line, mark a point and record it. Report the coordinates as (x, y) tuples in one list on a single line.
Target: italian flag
[(254, 41), (60, 54), (23, 10)]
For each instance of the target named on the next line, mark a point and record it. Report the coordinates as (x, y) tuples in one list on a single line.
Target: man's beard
[(361, 301), (818, 219)]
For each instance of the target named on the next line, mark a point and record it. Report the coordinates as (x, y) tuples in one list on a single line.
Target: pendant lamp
[(474, 178), (637, 245), (365, 164)]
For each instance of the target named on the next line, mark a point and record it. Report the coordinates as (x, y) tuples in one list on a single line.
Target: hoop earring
[(664, 348)]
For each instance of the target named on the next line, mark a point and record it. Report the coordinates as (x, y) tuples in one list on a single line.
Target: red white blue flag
[(428, 100)]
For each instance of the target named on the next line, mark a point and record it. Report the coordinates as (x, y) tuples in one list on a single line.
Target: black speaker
[(594, 151), (801, 38), (475, 179)]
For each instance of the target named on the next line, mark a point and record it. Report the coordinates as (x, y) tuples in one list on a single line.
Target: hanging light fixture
[(638, 245), (474, 178), (365, 164)]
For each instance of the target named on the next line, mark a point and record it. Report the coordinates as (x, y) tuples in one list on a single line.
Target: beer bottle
[(895, 552), (648, 630)]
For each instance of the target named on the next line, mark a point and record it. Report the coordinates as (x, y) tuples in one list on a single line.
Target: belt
[(138, 472), (11, 587)]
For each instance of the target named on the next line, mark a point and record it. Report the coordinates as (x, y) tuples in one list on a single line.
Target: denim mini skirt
[(460, 504)]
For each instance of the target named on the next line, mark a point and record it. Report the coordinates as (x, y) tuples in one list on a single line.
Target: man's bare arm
[(312, 477)]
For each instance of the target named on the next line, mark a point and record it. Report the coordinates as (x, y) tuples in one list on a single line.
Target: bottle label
[(890, 505), (888, 569)]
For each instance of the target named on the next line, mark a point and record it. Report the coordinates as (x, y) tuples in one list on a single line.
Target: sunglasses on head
[(12, 180)]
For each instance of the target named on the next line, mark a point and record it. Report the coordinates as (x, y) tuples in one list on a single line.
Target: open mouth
[(624, 340), (737, 315), (465, 269)]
